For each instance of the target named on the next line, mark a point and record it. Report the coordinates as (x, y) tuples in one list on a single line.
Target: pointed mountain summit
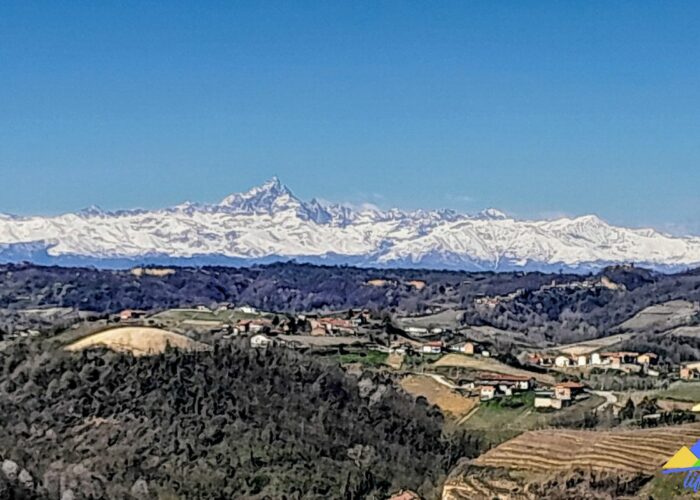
[(272, 196)]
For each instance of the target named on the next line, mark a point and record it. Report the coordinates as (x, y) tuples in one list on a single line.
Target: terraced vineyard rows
[(644, 450)]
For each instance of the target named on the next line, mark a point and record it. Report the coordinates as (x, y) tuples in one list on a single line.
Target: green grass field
[(500, 420), (666, 487), (681, 391), (677, 391)]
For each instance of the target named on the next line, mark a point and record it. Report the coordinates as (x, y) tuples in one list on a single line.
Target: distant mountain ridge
[(269, 223)]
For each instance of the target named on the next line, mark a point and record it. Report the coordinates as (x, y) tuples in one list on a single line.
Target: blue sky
[(537, 108)]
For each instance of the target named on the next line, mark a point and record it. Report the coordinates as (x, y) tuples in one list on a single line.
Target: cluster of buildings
[(334, 326), (257, 325), (438, 347), (493, 385), (560, 395), (613, 360), (305, 324)]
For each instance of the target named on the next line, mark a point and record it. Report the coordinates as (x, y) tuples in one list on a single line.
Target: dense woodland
[(285, 287), (235, 422)]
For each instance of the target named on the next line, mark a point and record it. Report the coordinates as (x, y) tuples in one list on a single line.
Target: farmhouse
[(337, 326), (541, 359), (253, 325), (318, 329), (463, 347), (616, 359), (487, 392), (562, 361), (546, 399), (129, 314), (648, 358), (432, 347), (566, 391)]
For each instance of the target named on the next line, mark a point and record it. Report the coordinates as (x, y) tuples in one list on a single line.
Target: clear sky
[(537, 108)]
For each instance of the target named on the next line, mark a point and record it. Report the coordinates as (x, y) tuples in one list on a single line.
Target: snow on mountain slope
[(269, 222)]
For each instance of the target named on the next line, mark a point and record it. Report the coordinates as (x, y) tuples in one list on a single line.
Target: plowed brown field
[(139, 341), (643, 450), (447, 400)]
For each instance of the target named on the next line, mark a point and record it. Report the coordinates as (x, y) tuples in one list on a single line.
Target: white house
[(562, 361), (463, 347), (547, 400), (582, 360), (248, 310), (506, 389), (260, 341), (595, 359), (487, 392), (432, 348)]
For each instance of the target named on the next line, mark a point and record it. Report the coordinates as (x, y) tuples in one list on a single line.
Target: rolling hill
[(138, 341), (233, 422)]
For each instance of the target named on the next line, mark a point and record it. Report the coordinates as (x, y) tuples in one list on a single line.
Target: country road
[(440, 379), (610, 399)]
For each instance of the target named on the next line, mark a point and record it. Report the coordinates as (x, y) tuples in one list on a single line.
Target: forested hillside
[(285, 287), (553, 307), (233, 423)]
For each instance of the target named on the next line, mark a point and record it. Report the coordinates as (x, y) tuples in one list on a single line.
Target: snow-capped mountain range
[(269, 223)]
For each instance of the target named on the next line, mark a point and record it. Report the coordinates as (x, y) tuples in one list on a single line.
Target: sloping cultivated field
[(489, 365), (447, 400), (138, 341), (642, 451)]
